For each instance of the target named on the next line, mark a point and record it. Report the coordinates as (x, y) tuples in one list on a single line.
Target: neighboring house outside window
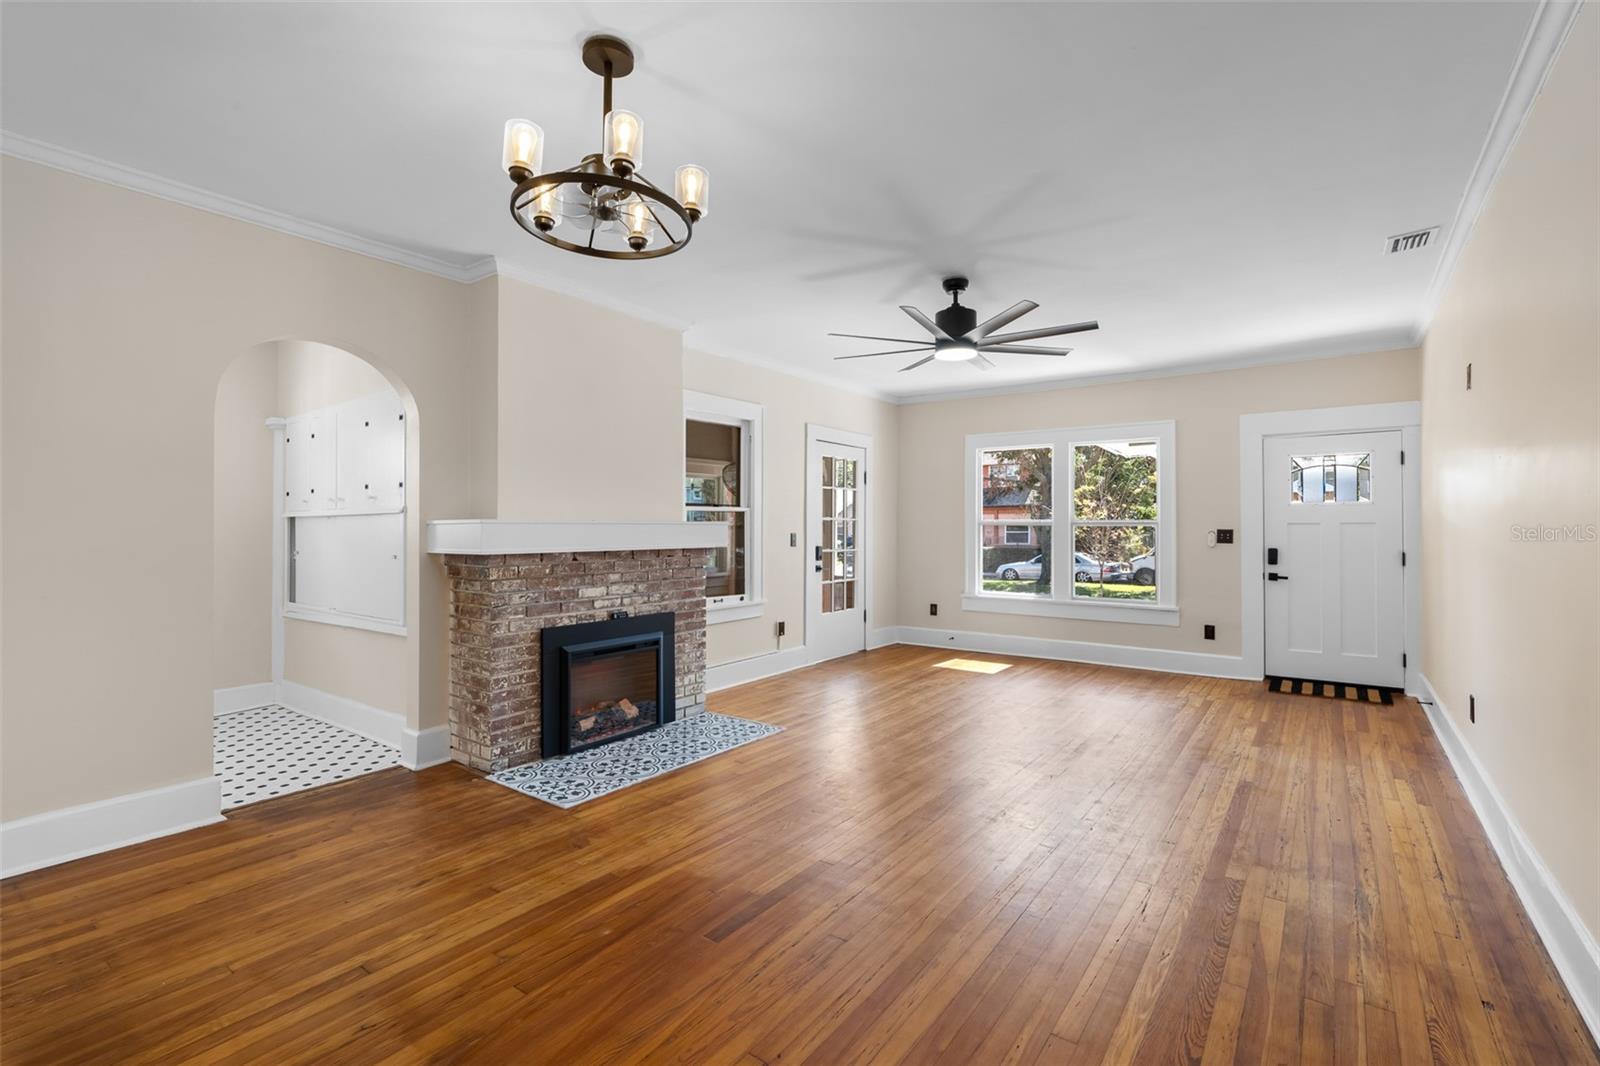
[(722, 485), (1104, 489), (1002, 499)]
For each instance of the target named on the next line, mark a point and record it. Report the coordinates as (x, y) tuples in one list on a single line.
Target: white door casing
[(837, 518), (1333, 510)]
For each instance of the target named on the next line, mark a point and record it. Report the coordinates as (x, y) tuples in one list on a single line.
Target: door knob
[(1277, 577)]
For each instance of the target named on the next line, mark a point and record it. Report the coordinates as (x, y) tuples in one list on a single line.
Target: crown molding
[(1547, 32), (1331, 348), (88, 166)]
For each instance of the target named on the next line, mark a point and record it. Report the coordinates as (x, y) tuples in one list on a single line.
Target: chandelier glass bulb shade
[(624, 142), (691, 184), (523, 148), (603, 205)]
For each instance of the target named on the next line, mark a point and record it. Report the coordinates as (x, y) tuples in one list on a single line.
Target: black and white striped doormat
[(1336, 690)]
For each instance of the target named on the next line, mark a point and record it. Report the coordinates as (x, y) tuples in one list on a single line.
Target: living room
[(1087, 554)]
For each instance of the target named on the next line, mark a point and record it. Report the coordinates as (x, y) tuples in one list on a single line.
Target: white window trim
[(1164, 612), (329, 616), (704, 407)]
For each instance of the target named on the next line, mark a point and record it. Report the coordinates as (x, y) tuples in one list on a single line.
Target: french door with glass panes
[(836, 609)]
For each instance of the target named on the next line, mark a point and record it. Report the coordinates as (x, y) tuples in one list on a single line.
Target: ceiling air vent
[(1414, 241)]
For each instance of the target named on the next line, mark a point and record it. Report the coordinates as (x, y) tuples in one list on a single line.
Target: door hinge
[(1402, 457), (1402, 659), (1402, 558)]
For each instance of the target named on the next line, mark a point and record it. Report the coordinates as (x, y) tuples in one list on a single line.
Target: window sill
[(1145, 614), (734, 612), (336, 618)]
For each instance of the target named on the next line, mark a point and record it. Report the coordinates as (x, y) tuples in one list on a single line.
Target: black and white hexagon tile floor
[(272, 751)]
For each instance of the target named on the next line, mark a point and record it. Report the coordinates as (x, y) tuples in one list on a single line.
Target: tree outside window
[(1114, 518)]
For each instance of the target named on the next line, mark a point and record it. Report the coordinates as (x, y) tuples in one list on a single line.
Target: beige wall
[(1516, 622), (241, 590), (1206, 408), (116, 336), (313, 376), (590, 412), (355, 664), (790, 403)]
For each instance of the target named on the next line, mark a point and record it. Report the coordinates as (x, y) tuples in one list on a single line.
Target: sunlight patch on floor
[(973, 666)]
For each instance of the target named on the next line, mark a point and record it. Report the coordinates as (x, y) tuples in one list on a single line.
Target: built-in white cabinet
[(350, 565), (309, 455), (349, 459), (371, 465), (344, 498)]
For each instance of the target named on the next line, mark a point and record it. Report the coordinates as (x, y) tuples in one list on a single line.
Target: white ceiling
[(1213, 182)]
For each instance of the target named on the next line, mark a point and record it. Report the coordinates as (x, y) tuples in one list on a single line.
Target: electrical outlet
[(1224, 536), (783, 627), (1211, 631), (933, 608), (1472, 709)]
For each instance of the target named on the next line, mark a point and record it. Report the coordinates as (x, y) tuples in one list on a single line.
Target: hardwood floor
[(1051, 864)]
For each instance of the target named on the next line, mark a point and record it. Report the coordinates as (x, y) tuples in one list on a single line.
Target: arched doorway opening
[(313, 569)]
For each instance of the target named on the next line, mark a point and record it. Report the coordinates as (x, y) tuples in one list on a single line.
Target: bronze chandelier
[(608, 207)]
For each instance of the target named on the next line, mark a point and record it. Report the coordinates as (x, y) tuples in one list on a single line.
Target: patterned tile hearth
[(272, 751), (573, 779)]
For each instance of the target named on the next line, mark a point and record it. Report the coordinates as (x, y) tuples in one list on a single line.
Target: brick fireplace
[(501, 603)]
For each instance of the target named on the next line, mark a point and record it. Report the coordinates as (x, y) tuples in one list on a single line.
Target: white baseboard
[(882, 638), (243, 697), (1570, 944), (386, 727), (1079, 651), (90, 828), (420, 749), (743, 671)]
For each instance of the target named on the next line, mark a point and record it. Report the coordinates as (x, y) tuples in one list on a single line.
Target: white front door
[(836, 610), (1335, 587)]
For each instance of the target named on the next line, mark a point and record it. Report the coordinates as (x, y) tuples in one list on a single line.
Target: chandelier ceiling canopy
[(603, 205)]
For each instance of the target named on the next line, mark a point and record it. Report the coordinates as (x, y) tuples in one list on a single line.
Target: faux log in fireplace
[(603, 681)]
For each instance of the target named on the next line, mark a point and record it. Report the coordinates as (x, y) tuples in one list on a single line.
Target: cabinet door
[(372, 454), (388, 455), (297, 465), (322, 438), (356, 491)]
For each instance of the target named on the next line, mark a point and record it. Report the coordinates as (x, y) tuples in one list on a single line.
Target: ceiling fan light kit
[(958, 336), (611, 209)]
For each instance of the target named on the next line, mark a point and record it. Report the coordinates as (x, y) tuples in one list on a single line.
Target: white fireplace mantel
[(481, 536)]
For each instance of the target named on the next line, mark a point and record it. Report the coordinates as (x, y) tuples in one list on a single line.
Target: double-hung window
[(1108, 491), (722, 485)]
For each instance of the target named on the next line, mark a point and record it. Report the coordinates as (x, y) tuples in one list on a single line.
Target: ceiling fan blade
[(892, 351), (926, 323), (1024, 349), (1006, 317), (919, 362), (982, 362), (1048, 331), (869, 337)]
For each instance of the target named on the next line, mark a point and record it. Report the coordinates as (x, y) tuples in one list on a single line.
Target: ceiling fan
[(958, 337)]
